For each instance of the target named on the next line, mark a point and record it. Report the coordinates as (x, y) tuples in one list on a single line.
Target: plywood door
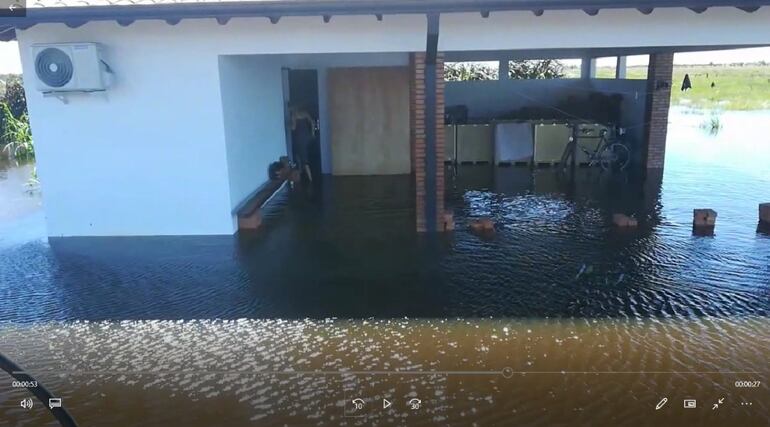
[(369, 120)]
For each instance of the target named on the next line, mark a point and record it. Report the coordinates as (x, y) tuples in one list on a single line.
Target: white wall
[(150, 156), (145, 158), (252, 107)]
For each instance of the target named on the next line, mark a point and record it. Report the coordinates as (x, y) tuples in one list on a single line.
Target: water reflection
[(300, 372), (352, 254)]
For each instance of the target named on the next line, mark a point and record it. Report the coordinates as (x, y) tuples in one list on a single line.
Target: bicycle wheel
[(615, 157)]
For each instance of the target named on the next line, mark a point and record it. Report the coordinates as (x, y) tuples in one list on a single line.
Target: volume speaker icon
[(26, 403)]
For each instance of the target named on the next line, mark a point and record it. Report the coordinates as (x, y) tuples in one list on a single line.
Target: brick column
[(417, 134), (659, 75)]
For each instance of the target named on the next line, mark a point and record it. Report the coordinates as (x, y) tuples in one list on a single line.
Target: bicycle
[(610, 154)]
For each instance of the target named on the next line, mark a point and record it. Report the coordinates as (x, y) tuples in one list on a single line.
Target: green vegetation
[(527, 69), (536, 69), (724, 87), (16, 137), (713, 124), (466, 71), (15, 133)]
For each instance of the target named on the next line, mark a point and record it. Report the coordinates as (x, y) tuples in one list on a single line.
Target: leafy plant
[(713, 124), (536, 69), (16, 135), (33, 184), (466, 71), (14, 96), (527, 69)]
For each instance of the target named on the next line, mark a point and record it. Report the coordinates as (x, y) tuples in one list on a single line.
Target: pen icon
[(661, 404)]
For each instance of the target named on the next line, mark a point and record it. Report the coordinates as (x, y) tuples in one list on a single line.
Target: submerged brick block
[(704, 218), (449, 221), (619, 220), (623, 220), (250, 222), (476, 225), (764, 213)]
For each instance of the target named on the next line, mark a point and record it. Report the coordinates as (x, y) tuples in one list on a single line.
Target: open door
[(300, 89)]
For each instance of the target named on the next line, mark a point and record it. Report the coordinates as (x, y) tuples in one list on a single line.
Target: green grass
[(736, 87)]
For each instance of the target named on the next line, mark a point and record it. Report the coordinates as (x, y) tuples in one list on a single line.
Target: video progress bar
[(506, 372)]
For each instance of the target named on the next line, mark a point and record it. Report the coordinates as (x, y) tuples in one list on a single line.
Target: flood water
[(555, 318)]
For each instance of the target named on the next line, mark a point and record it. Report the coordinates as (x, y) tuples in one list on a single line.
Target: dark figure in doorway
[(303, 135)]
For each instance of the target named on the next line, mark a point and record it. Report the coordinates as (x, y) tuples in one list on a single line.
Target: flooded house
[(162, 118), (166, 121)]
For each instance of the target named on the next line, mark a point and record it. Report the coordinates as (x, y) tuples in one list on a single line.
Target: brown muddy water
[(556, 319)]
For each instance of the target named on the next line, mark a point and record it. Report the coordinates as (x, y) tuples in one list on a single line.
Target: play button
[(386, 403)]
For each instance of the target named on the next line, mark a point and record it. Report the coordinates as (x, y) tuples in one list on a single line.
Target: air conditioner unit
[(69, 67)]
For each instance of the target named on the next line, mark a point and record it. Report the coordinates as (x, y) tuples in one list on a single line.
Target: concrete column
[(588, 68), (503, 69), (417, 116), (659, 75), (621, 67)]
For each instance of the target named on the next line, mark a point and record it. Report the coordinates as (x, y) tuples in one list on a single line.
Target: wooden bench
[(248, 212)]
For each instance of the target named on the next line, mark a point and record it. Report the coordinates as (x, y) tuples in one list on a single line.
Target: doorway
[(301, 90)]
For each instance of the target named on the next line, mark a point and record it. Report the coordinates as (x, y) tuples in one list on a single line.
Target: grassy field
[(735, 87)]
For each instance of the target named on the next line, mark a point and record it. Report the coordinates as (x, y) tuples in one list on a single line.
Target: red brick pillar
[(417, 135), (659, 75)]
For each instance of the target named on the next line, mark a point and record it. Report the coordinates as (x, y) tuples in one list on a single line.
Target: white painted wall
[(145, 158), (150, 156), (252, 107)]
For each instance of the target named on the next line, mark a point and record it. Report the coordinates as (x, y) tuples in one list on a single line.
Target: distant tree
[(536, 69), (526, 69), (15, 98), (465, 71)]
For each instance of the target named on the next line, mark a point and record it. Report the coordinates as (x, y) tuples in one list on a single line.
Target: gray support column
[(621, 67), (588, 68), (503, 69)]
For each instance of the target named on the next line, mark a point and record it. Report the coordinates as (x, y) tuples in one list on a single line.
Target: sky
[(9, 57)]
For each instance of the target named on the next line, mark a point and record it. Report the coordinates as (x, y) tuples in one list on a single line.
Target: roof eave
[(276, 9)]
